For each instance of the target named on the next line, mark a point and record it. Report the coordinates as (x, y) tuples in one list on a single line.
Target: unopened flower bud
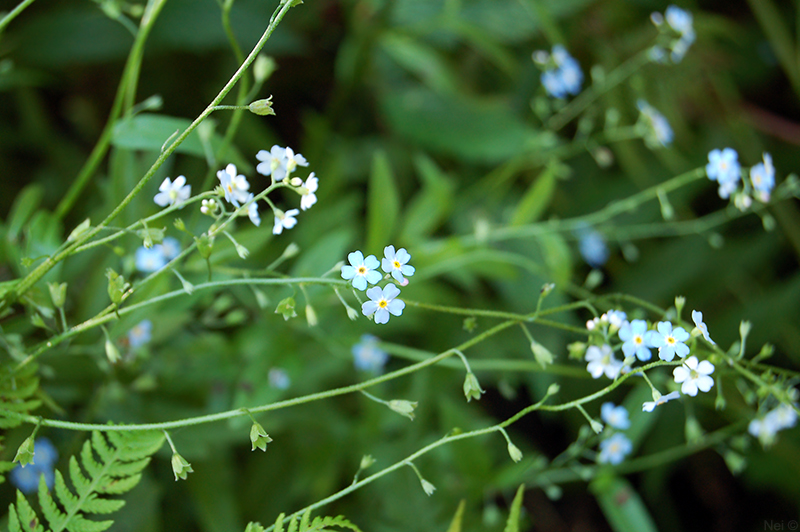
[(542, 355), (472, 390), (427, 487), (263, 67), (112, 352), (311, 316), (514, 452), (258, 437), (25, 452), (180, 467), (366, 461), (287, 308), (403, 407), (58, 293), (553, 389), (262, 107)]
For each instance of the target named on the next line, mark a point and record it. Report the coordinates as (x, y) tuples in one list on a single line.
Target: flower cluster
[(278, 163), (26, 477), (363, 271), (723, 167), (562, 75), (638, 340), (678, 30), (156, 257), (655, 129), (615, 446), (766, 428)]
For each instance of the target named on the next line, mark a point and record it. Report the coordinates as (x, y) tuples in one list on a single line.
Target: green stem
[(11, 15), (28, 281), (130, 76)]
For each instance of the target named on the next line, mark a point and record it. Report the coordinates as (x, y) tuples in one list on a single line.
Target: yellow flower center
[(397, 265), (670, 340), (638, 340), (383, 303), (362, 270)]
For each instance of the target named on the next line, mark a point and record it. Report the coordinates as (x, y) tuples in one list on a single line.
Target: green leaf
[(512, 524), (421, 60), (536, 199), (621, 505), (429, 208), (455, 525), (26, 202), (383, 203), (478, 130)]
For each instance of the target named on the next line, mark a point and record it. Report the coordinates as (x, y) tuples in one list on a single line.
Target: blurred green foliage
[(417, 117)]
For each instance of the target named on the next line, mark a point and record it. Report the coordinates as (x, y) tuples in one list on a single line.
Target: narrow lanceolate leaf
[(512, 525), (383, 203), (455, 525)]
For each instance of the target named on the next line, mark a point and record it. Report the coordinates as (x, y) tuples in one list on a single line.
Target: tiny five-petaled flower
[(669, 341), (601, 361), (396, 263), (633, 335), (173, 192), (284, 220), (614, 449), (694, 376), (697, 318), (382, 303), (616, 416), (649, 406), (235, 186), (361, 270), (309, 198)]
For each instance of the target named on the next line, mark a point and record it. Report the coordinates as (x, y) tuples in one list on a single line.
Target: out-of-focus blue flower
[(723, 165), (593, 248), (762, 176), (616, 416), (278, 378), (657, 132), (563, 75), (367, 356), (150, 260), (140, 334), (170, 248), (45, 455), (614, 449), (680, 24)]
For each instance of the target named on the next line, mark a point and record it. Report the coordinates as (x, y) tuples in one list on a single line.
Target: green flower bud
[(287, 308), (258, 437), (179, 225), (311, 316), (542, 355), (472, 390), (546, 289), (112, 352), (180, 467), (116, 286), (205, 244), (553, 389), (403, 407), (262, 107), (58, 293), (576, 350), (263, 67), (680, 301), (352, 313), (25, 452), (150, 236), (427, 487), (79, 231), (514, 452), (366, 461), (597, 427)]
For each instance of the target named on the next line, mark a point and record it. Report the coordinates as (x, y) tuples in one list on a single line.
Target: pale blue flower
[(697, 318), (140, 334), (634, 336), (252, 210), (367, 356), (614, 449), (26, 479), (170, 248), (680, 23), (396, 263), (766, 428), (150, 259), (382, 303), (656, 129), (593, 248), (668, 341), (762, 176), (173, 192), (564, 75), (309, 198), (284, 220), (278, 378), (602, 361), (649, 406), (615, 416), (361, 270), (694, 376), (234, 185), (723, 166), (279, 162)]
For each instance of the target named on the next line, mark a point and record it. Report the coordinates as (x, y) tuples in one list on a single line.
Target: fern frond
[(16, 392), (108, 465), (319, 524)]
